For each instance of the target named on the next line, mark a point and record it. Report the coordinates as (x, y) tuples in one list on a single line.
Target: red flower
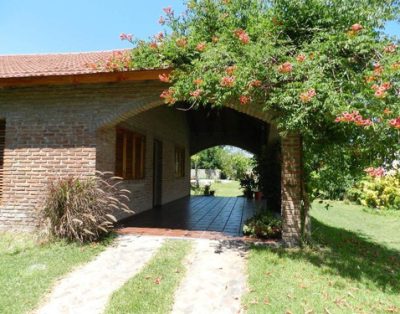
[(161, 21), (242, 35), (159, 36), (244, 100), (395, 123), (308, 95), (228, 81), (375, 172), (198, 82), (231, 69), (201, 46), (153, 45), (164, 78), (168, 11), (378, 69), (396, 66), (197, 93), (127, 37), (301, 58), (168, 96), (286, 67), (390, 48), (370, 79), (380, 93), (387, 111), (354, 117), (356, 27), (385, 86), (255, 83), (92, 66), (181, 42)]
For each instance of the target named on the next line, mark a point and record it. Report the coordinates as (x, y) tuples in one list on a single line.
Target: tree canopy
[(322, 68), (233, 164)]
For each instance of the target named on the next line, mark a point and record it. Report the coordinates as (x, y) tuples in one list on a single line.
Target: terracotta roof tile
[(51, 64)]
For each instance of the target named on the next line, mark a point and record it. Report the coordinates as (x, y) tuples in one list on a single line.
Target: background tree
[(233, 164)]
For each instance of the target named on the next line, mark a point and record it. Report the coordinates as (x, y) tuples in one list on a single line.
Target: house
[(59, 118)]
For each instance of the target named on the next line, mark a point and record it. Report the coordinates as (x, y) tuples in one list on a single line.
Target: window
[(130, 154), (179, 162), (2, 147)]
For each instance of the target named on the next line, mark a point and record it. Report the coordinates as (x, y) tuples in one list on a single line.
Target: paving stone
[(215, 280), (88, 288)]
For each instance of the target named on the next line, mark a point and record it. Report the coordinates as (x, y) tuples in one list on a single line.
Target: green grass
[(353, 268), (229, 189), (28, 270), (152, 290)]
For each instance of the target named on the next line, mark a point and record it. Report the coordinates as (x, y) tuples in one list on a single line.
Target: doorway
[(157, 173)]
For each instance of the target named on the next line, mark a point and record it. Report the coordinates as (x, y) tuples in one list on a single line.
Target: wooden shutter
[(130, 154), (179, 162), (130, 158), (2, 148), (119, 153)]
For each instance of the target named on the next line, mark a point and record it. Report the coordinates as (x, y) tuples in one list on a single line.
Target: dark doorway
[(157, 173)]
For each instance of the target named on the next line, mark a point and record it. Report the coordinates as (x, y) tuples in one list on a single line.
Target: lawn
[(224, 188), (354, 266), (28, 270), (152, 290), (228, 189)]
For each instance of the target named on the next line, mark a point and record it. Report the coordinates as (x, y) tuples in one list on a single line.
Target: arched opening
[(221, 171), (151, 149)]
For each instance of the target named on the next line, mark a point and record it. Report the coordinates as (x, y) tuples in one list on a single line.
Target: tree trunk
[(196, 175)]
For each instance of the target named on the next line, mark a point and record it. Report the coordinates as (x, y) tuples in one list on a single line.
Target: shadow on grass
[(349, 255)]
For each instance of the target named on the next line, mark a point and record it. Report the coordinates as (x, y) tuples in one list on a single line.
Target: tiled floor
[(195, 215)]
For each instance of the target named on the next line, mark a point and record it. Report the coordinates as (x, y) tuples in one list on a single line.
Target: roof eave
[(87, 78)]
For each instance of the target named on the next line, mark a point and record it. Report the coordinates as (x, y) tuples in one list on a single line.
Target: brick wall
[(61, 131), (53, 132), (166, 125), (291, 189)]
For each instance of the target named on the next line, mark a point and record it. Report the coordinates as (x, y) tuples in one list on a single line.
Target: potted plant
[(208, 191), (248, 185), (258, 195)]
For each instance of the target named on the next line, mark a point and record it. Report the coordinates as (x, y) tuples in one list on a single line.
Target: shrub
[(377, 192), (196, 190), (82, 209), (263, 225)]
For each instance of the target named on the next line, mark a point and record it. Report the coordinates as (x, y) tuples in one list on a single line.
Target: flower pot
[(258, 195)]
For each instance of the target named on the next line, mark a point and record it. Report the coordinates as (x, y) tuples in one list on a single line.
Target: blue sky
[(40, 26)]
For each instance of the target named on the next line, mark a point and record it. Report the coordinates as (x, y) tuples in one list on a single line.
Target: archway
[(248, 127)]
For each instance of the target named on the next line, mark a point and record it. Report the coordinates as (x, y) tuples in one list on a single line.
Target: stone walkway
[(88, 288), (215, 280)]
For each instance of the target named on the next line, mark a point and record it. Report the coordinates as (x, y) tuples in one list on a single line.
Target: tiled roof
[(14, 66)]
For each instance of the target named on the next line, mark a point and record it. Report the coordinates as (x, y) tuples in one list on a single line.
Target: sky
[(45, 26), (42, 26)]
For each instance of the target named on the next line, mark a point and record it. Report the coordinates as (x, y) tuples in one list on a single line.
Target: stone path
[(88, 288), (214, 283), (215, 279)]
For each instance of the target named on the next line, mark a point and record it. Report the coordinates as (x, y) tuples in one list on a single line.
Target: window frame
[(130, 164), (180, 162)]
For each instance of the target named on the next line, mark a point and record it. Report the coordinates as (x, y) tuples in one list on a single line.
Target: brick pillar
[(291, 189)]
